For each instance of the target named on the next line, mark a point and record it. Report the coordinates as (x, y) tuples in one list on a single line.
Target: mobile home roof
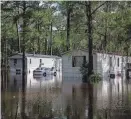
[(19, 55)]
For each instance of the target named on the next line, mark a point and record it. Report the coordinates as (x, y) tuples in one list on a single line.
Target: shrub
[(95, 78)]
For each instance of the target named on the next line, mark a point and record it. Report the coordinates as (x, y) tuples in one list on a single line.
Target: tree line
[(51, 27)]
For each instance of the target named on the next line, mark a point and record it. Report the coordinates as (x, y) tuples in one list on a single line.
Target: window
[(30, 61), (128, 65), (118, 62), (40, 60), (77, 61), (15, 61), (18, 71), (110, 61), (52, 68)]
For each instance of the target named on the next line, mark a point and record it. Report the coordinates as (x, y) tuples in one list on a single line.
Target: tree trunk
[(106, 24), (18, 35), (23, 46), (51, 39), (23, 62), (6, 63), (127, 53), (45, 46), (33, 45), (68, 27), (89, 33), (38, 28), (2, 62)]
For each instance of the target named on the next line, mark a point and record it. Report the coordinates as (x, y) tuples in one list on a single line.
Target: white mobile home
[(103, 63), (32, 61)]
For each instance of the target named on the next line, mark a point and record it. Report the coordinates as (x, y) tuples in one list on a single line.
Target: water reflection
[(50, 97)]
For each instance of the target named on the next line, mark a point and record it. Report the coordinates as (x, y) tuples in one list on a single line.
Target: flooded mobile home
[(33, 61), (103, 63)]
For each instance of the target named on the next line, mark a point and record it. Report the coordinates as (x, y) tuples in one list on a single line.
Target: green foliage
[(111, 26), (95, 78)]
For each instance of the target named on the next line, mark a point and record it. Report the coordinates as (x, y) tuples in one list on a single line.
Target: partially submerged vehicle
[(45, 71)]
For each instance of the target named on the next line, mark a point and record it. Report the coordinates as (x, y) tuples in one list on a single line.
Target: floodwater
[(53, 98)]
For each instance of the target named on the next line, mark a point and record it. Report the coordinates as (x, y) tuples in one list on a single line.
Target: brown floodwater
[(52, 97)]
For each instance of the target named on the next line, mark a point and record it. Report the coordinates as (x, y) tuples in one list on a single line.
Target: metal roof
[(94, 52), (85, 50), (19, 55)]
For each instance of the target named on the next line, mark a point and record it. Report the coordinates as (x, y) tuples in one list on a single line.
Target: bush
[(95, 78)]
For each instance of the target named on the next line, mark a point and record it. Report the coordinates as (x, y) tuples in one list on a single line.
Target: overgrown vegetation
[(95, 77)]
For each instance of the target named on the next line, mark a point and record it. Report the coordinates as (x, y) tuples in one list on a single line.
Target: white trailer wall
[(104, 64), (70, 72), (104, 67), (18, 65), (35, 62)]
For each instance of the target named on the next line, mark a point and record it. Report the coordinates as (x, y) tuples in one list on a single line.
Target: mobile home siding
[(33, 61), (68, 71), (103, 63), (18, 65), (105, 66)]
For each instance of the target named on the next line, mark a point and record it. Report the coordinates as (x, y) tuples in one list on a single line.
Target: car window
[(52, 68)]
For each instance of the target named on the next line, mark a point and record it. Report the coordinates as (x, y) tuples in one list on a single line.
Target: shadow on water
[(23, 101), (4, 79), (51, 98)]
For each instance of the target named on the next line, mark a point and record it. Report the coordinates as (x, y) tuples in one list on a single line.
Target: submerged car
[(44, 71)]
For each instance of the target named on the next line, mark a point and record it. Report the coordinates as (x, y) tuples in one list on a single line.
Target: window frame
[(30, 61), (110, 61), (74, 60), (40, 61)]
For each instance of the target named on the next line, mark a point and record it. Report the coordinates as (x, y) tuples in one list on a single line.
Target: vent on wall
[(112, 76)]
